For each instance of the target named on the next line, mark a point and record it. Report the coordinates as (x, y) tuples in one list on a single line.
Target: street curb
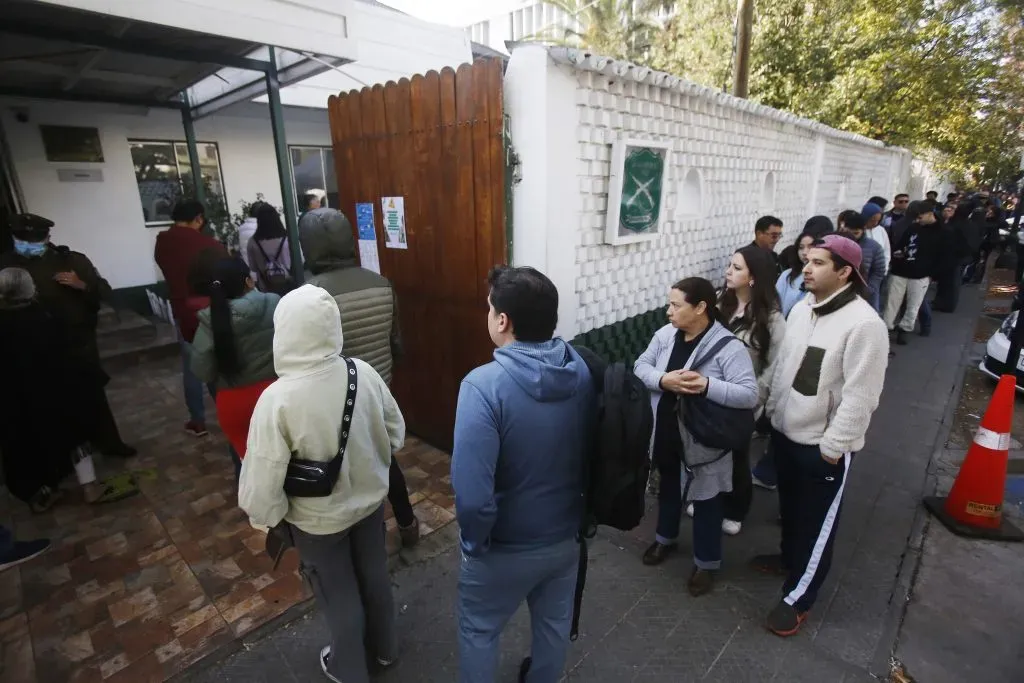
[(436, 543), (911, 561)]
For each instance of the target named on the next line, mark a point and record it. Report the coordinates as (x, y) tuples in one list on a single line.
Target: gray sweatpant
[(348, 573)]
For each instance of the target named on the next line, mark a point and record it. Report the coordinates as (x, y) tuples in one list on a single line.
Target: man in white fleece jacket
[(822, 392)]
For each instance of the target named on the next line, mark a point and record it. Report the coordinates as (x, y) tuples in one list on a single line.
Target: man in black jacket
[(767, 233), (915, 260)]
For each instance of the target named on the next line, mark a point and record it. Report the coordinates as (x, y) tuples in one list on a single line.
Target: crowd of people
[(796, 340)]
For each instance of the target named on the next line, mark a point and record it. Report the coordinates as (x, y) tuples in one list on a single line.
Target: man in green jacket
[(366, 301)]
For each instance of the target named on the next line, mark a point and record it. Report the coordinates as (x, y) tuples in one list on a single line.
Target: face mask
[(30, 249)]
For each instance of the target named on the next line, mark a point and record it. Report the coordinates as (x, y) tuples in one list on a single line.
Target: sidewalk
[(639, 624), (963, 618)]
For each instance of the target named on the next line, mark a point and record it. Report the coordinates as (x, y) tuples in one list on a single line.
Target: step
[(128, 327)]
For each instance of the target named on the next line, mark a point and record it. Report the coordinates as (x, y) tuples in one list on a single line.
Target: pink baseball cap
[(846, 249)]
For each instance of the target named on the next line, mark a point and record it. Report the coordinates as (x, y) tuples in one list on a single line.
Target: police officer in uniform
[(70, 287)]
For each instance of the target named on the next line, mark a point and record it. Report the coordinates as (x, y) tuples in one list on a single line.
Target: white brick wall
[(732, 144)]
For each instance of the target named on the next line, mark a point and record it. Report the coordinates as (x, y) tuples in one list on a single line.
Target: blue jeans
[(924, 314), (707, 515), (192, 385), (492, 587), (765, 470)]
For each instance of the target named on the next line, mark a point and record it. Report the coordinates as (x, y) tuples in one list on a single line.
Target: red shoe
[(785, 620), (196, 429)]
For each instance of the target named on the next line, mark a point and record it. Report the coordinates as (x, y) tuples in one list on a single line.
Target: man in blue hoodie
[(521, 430)]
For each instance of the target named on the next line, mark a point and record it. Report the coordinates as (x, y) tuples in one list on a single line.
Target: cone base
[(1006, 532)]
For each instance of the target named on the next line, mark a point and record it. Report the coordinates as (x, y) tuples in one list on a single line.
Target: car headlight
[(1007, 327)]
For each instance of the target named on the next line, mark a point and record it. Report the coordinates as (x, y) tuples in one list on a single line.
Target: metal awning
[(54, 52)]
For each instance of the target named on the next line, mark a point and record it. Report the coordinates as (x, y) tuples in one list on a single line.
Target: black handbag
[(316, 479), (713, 425)]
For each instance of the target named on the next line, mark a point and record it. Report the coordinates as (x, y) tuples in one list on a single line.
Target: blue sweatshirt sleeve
[(474, 459)]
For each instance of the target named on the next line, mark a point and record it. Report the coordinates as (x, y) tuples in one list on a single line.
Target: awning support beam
[(284, 166), (198, 189), (133, 46)]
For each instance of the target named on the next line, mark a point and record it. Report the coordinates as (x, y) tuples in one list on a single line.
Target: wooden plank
[(425, 115), (482, 176), (466, 280), (496, 130)]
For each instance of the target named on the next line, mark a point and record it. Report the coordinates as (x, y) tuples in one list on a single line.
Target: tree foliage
[(943, 77)]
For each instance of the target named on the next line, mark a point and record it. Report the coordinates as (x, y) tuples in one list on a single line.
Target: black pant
[(104, 434), (1020, 262), (736, 503), (810, 497), (398, 496)]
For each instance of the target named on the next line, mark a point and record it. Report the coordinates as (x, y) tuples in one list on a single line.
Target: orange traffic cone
[(974, 506)]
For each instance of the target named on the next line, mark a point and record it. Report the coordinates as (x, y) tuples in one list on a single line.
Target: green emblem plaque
[(635, 196)]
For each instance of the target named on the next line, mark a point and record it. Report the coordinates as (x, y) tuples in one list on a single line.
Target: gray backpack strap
[(713, 351)]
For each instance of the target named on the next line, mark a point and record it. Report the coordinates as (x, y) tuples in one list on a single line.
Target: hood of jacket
[(307, 332), (546, 371), (250, 312), (326, 239)]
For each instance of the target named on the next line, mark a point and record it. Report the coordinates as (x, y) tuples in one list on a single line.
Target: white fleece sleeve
[(261, 486), (864, 365)]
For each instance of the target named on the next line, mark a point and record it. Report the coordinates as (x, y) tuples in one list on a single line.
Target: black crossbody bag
[(316, 479)]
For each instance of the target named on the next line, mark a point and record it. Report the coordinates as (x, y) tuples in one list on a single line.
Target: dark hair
[(228, 282), (951, 196), (902, 194), (838, 263), (917, 209), (764, 223), (268, 224), (818, 226), (794, 265), (187, 211), (255, 207), (879, 201), (305, 199), (529, 299), (851, 220), (764, 301), (696, 290), (931, 192)]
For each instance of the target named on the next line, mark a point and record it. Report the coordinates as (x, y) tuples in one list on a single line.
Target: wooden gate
[(437, 141)]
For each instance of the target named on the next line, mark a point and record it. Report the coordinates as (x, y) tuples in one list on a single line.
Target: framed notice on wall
[(636, 191)]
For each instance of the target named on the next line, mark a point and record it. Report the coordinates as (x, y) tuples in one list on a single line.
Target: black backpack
[(618, 462), (275, 277)]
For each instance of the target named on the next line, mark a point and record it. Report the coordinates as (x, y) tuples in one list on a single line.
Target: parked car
[(994, 362)]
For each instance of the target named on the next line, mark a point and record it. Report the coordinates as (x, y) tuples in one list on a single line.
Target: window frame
[(173, 143), (323, 170)]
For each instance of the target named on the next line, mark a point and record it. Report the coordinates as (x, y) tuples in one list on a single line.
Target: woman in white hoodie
[(340, 537)]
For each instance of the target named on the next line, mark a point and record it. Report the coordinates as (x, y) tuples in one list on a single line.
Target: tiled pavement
[(137, 591), (639, 624)]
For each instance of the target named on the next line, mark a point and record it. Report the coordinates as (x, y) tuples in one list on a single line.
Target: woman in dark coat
[(48, 395)]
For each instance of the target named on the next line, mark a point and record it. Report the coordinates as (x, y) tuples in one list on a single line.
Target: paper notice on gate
[(369, 257), (395, 236)]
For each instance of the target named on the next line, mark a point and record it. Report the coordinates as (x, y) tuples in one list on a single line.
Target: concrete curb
[(911, 561)]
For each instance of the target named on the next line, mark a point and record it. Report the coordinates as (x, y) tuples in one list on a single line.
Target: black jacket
[(920, 251)]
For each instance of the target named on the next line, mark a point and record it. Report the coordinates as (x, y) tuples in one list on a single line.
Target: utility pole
[(741, 58)]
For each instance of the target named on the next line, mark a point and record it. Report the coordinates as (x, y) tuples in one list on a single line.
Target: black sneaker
[(925, 332), (901, 337), (44, 499), (785, 620), (524, 669), (119, 450), (657, 553), (769, 564), (23, 551)]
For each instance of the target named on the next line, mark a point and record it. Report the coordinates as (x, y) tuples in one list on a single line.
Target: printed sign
[(395, 236), (636, 191), (369, 257)]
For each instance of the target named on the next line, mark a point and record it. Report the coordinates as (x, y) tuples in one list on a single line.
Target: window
[(313, 172), (163, 173)]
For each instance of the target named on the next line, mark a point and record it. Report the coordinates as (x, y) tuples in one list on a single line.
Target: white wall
[(565, 141), (104, 220)]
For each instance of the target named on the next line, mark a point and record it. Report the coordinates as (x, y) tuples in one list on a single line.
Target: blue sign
[(364, 221)]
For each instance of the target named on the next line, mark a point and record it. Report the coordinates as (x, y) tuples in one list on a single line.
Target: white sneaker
[(730, 527), (325, 655), (689, 510), (761, 484)]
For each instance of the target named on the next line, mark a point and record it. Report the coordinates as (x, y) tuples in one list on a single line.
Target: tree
[(623, 29), (697, 42)]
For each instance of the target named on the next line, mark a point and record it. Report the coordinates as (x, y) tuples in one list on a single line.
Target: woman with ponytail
[(234, 347)]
